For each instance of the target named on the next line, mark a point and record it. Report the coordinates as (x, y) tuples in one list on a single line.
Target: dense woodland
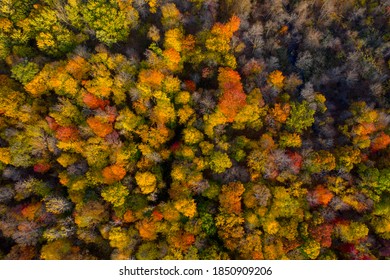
[(198, 129)]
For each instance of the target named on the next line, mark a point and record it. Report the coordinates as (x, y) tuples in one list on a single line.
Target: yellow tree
[(276, 79), (146, 181)]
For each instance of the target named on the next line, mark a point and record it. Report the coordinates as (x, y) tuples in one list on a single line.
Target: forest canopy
[(196, 129)]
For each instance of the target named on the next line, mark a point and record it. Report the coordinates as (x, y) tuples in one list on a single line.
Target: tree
[(152, 78), (351, 232), (173, 39), (173, 60), (146, 181), (13, 102), (322, 234), (219, 162), (320, 161), (43, 25), (292, 140), (186, 206), (230, 197), (320, 195), (111, 21), (280, 112), (148, 251), (94, 102), (154, 34), (78, 67), (256, 195), (99, 127), (286, 204), (170, 15), (276, 79), (192, 136), (251, 247), (254, 36), (221, 34), (346, 157), (312, 249), (90, 214), (147, 229), (67, 133), (380, 220), (242, 8), (21, 252), (5, 155), (115, 194), (25, 72), (181, 241), (230, 229), (56, 250), (380, 142), (119, 238), (250, 116), (211, 121), (233, 98), (57, 205), (113, 173), (301, 117)]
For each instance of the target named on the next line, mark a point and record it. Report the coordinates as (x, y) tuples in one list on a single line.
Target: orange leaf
[(380, 142), (30, 210), (94, 102), (323, 195), (233, 98), (67, 133), (113, 173), (99, 128)]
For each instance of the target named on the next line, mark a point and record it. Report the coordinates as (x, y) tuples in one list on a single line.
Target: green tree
[(111, 21), (25, 72), (192, 136), (301, 117), (352, 232), (115, 194), (219, 162)]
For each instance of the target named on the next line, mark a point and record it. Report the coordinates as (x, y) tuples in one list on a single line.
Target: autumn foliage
[(113, 173), (230, 197), (380, 142), (276, 78), (68, 133), (233, 98), (41, 167), (193, 129), (321, 195), (99, 127), (94, 102), (152, 78)]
